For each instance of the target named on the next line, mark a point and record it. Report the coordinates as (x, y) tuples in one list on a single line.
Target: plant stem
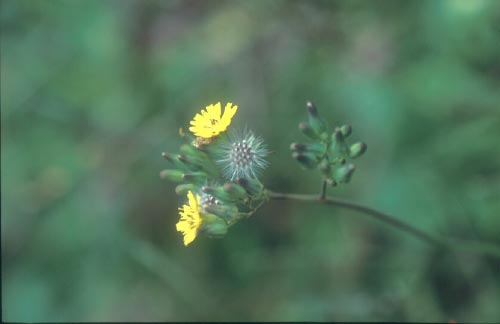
[(443, 243), (322, 195), (360, 208)]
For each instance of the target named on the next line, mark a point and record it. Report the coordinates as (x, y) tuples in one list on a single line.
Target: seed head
[(243, 156)]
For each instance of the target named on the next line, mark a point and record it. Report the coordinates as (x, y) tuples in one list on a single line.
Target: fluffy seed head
[(243, 156)]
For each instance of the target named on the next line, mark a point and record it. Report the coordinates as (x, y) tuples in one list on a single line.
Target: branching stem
[(360, 208), (448, 244)]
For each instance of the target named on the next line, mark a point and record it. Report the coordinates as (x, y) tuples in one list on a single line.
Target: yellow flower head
[(190, 220), (211, 122)]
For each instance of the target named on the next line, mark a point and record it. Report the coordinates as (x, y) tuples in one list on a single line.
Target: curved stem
[(363, 209), (471, 246)]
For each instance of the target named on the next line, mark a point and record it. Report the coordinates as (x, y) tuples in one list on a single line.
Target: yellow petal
[(214, 111), (188, 238), (229, 112)]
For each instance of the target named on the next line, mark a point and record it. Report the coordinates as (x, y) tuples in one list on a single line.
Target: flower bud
[(357, 149), (344, 173), (172, 175), (195, 177), (227, 212), (183, 188), (338, 143), (307, 130), (298, 147), (235, 190), (188, 162), (316, 148), (346, 130), (306, 159), (213, 226), (173, 160), (317, 123), (219, 193), (194, 154), (337, 136), (252, 186)]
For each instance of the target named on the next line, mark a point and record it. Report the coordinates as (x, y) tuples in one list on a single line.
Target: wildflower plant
[(217, 172), (218, 169)]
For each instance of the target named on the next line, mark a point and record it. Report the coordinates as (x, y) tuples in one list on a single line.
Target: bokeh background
[(93, 91)]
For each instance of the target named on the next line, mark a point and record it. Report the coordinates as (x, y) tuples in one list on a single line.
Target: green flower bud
[(317, 123), (235, 190), (338, 144), (173, 160), (357, 149), (307, 130), (197, 157), (227, 212), (189, 162), (252, 186), (337, 136), (172, 175), (344, 173), (306, 159), (219, 193), (316, 148), (213, 226), (195, 177), (183, 188), (346, 130)]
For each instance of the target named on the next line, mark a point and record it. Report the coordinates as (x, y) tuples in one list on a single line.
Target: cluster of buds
[(331, 152), (217, 171)]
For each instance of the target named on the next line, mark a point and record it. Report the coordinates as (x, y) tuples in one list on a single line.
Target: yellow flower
[(211, 122), (190, 220)]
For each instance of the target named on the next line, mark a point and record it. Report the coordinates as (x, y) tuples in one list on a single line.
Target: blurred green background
[(93, 91)]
